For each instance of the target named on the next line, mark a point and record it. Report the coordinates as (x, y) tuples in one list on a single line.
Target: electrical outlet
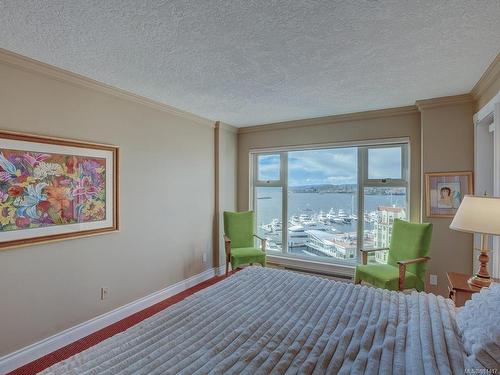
[(104, 293), (204, 258), (433, 279)]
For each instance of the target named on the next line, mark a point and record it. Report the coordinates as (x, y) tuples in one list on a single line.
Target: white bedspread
[(263, 320)]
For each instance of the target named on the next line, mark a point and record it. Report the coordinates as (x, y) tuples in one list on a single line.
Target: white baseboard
[(43, 347)]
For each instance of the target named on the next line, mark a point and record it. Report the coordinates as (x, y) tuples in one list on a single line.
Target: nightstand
[(459, 288)]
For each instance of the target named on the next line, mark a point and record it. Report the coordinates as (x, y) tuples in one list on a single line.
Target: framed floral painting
[(53, 189), (444, 192)]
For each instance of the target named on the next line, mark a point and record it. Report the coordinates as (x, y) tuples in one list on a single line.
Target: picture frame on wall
[(444, 192), (53, 189)]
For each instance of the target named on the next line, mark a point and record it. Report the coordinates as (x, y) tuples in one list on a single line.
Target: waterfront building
[(383, 228), (340, 246)]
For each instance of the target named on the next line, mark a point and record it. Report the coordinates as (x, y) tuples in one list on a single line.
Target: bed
[(263, 320)]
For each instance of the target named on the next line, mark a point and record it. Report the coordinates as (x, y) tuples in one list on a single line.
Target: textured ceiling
[(256, 61)]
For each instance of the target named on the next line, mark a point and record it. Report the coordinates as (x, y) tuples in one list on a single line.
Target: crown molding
[(328, 120), (444, 101), (30, 65), (226, 127), (491, 74)]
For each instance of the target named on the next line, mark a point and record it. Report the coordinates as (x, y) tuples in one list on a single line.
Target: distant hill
[(347, 189)]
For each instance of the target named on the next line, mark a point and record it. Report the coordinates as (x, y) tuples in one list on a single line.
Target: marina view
[(323, 220), (324, 188)]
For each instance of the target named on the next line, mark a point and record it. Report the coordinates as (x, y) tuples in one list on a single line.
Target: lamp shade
[(478, 215)]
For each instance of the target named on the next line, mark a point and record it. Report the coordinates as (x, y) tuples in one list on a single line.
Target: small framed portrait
[(444, 192)]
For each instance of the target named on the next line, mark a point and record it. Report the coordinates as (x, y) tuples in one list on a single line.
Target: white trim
[(443, 101), (488, 115), (490, 75), (362, 181), (310, 265), (284, 203), (340, 144), (43, 347), (487, 110), (330, 120)]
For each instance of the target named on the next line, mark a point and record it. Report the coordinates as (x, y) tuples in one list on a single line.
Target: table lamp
[(479, 215)]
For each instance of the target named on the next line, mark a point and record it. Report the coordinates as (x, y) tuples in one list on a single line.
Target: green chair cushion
[(245, 255), (410, 241), (238, 226), (385, 276)]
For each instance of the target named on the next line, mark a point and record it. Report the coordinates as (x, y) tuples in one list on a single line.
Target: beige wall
[(447, 145), (227, 144), (167, 202), (370, 125)]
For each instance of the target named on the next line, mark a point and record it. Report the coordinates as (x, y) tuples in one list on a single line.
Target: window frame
[(258, 182), (362, 182), (282, 183)]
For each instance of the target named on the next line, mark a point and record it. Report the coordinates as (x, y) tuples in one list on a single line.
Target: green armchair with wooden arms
[(239, 240), (406, 265)]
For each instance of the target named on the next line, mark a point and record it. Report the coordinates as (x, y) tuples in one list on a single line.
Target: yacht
[(296, 228), (274, 226), (331, 215), (294, 220), (323, 218), (304, 217), (345, 219)]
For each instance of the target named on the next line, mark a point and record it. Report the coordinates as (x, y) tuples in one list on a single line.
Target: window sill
[(344, 271)]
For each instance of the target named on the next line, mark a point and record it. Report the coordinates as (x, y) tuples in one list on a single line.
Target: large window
[(326, 203)]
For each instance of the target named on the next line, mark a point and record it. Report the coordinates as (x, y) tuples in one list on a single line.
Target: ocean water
[(313, 203)]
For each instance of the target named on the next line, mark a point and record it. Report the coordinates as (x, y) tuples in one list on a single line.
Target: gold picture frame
[(52, 189), (444, 192)]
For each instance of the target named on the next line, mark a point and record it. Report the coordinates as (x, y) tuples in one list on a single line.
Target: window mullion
[(389, 183), (284, 202), (362, 176), (268, 184)]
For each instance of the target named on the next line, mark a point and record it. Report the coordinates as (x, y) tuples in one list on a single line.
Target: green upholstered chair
[(406, 264), (239, 240)]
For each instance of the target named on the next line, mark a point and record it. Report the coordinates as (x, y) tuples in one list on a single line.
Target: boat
[(331, 215), (296, 228), (274, 226), (304, 217), (322, 217), (344, 218), (309, 223)]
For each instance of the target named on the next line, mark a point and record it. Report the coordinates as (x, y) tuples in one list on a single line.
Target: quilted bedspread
[(269, 321)]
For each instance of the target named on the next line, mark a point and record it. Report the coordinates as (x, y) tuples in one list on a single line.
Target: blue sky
[(331, 166)]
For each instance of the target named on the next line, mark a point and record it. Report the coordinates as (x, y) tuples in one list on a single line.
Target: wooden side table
[(459, 288)]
